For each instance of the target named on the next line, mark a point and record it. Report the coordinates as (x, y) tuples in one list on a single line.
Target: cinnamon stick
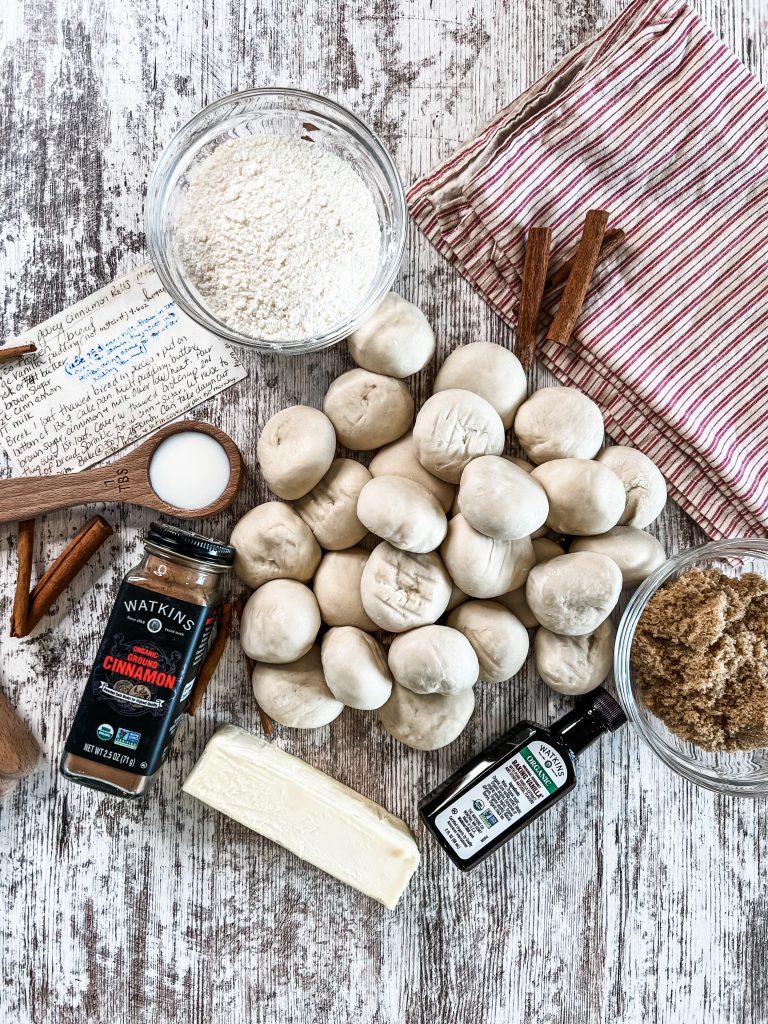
[(266, 722), (532, 292), (9, 352), (213, 658), (25, 549), (576, 286), (611, 242), (60, 573)]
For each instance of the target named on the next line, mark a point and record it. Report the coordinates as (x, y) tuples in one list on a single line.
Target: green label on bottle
[(538, 769), (493, 805)]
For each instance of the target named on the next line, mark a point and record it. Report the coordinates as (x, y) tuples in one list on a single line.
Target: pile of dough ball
[(465, 544)]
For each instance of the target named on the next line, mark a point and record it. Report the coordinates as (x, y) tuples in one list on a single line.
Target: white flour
[(279, 236)]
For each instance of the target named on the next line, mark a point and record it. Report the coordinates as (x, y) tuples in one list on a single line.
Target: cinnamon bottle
[(153, 648)]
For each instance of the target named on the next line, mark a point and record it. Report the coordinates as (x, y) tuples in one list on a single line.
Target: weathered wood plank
[(641, 899)]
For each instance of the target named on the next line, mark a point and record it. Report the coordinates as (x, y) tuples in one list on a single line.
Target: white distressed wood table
[(639, 899)]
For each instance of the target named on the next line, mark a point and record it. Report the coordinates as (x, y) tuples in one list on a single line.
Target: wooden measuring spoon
[(125, 479)]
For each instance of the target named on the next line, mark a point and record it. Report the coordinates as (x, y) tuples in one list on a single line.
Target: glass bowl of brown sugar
[(691, 665)]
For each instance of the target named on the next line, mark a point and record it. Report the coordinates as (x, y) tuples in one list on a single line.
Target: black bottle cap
[(605, 707), (190, 545), (593, 714)]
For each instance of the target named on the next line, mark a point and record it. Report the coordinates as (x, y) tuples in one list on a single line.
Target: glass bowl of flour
[(277, 220)]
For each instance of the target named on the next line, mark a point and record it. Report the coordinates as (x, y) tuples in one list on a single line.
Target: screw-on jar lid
[(187, 544)]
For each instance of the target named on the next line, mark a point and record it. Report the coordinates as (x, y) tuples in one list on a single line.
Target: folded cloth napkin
[(657, 122)]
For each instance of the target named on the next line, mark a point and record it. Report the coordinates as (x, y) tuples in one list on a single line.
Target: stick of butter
[(307, 812)]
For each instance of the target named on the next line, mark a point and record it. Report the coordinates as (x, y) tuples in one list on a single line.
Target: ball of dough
[(491, 371), (367, 409), (337, 589), (399, 459), (295, 449), (499, 639), (574, 664), (402, 512), (527, 467), (296, 695), (500, 500), (455, 506), (355, 668), (280, 622), (645, 487), (271, 542), (635, 552), (516, 603), (457, 597), (585, 497), (426, 721), (543, 550), (574, 593), (452, 428), (433, 659), (559, 423), (330, 508), (483, 566), (396, 339), (401, 590)]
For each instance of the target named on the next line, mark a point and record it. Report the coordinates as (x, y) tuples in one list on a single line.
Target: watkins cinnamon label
[(142, 679)]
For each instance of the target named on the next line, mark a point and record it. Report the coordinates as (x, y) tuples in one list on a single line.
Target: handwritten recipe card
[(108, 370)]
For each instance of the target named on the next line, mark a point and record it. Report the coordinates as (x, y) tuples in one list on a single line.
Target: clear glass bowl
[(274, 112), (740, 774)]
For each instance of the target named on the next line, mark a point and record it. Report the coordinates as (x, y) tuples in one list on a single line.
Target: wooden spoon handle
[(25, 497)]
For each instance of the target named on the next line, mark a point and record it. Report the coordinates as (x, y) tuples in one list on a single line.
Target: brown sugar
[(700, 653)]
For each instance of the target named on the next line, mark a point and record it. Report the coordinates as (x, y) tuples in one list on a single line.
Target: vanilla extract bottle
[(514, 780), (147, 664)]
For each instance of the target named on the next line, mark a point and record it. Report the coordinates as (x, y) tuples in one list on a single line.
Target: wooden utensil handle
[(25, 497)]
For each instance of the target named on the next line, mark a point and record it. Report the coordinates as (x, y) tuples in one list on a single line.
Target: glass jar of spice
[(148, 661)]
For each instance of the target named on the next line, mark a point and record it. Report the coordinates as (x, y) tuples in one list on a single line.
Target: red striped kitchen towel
[(658, 122)]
